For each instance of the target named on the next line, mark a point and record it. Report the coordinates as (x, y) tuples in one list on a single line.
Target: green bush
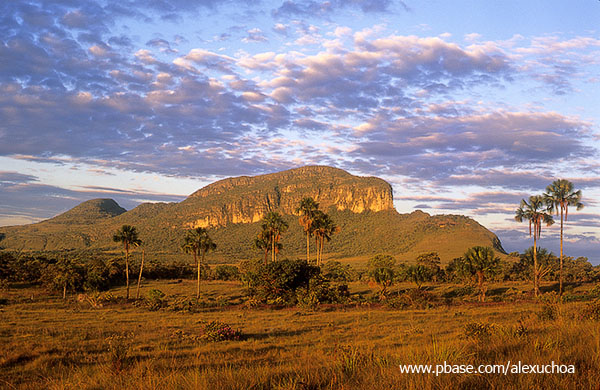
[(478, 331), (220, 331), (591, 311), (278, 282), (227, 272), (414, 298), (156, 299)]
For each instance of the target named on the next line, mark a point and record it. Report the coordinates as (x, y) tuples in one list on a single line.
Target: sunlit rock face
[(248, 199)]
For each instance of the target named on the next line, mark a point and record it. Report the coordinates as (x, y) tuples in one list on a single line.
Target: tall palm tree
[(324, 227), (307, 210), (559, 196), (128, 236), (536, 213), (480, 262), (198, 242), (263, 241), (273, 227)]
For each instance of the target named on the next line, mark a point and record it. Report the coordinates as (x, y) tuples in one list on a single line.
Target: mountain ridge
[(233, 207)]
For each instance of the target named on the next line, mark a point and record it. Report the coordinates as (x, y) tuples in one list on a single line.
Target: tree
[(559, 196), (536, 213), (432, 261), (198, 242), (381, 269), (273, 227), (128, 236), (481, 263), (323, 228), (307, 209), (546, 263), (418, 274), (263, 241), (63, 275)]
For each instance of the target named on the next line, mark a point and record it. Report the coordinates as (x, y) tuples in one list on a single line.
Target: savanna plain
[(225, 340)]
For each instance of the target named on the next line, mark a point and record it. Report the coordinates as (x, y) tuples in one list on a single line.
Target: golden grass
[(48, 343)]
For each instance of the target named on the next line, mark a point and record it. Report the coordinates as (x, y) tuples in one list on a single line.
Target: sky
[(465, 107)]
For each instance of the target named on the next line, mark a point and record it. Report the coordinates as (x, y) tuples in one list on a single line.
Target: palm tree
[(128, 236), (559, 196), (536, 212), (323, 227), (263, 241), (307, 210), (273, 227), (479, 262), (197, 241)]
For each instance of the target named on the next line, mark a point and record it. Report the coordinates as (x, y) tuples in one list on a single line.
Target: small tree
[(128, 236), (481, 263), (198, 242), (381, 270), (432, 261), (418, 274), (63, 275)]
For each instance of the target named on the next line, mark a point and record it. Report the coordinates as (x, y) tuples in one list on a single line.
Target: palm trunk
[(317, 246), (127, 269), (307, 247), (480, 284), (560, 274), (536, 287), (273, 249), (198, 284), (321, 251), (137, 293)]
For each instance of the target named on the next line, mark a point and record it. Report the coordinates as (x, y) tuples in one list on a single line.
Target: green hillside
[(361, 207)]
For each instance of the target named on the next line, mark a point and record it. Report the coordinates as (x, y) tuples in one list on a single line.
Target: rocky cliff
[(361, 206), (247, 199)]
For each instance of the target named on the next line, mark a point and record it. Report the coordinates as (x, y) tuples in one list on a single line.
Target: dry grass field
[(46, 342)]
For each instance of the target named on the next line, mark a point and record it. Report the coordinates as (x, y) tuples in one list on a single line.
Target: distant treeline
[(100, 272)]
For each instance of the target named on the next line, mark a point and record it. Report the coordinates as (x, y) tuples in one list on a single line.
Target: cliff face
[(231, 205), (248, 199)]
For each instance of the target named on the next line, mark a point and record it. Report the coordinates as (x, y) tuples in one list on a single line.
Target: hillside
[(233, 208)]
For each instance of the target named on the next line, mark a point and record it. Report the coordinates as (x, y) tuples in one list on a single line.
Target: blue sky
[(465, 107)]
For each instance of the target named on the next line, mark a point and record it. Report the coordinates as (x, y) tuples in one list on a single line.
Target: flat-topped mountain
[(248, 199), (361, 206)]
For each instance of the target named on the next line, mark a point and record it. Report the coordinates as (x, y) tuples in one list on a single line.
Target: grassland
[(50, 343)]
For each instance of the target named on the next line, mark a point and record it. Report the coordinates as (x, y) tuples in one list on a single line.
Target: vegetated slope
[(361, 206)]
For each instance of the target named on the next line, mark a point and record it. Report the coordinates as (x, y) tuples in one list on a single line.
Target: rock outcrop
[(247, 199)]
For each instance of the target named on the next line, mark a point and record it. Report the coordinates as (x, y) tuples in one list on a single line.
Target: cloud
[(15, 178), (255, 35), (313, 8)]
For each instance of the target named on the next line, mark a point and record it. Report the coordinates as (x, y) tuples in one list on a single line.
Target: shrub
[(220, 331), (185, 305), (591, 311), (414, 299), (336, 271), (119, 349), (321, 291), (278, 281), (478, 331), (227, 272), (156, 299)]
